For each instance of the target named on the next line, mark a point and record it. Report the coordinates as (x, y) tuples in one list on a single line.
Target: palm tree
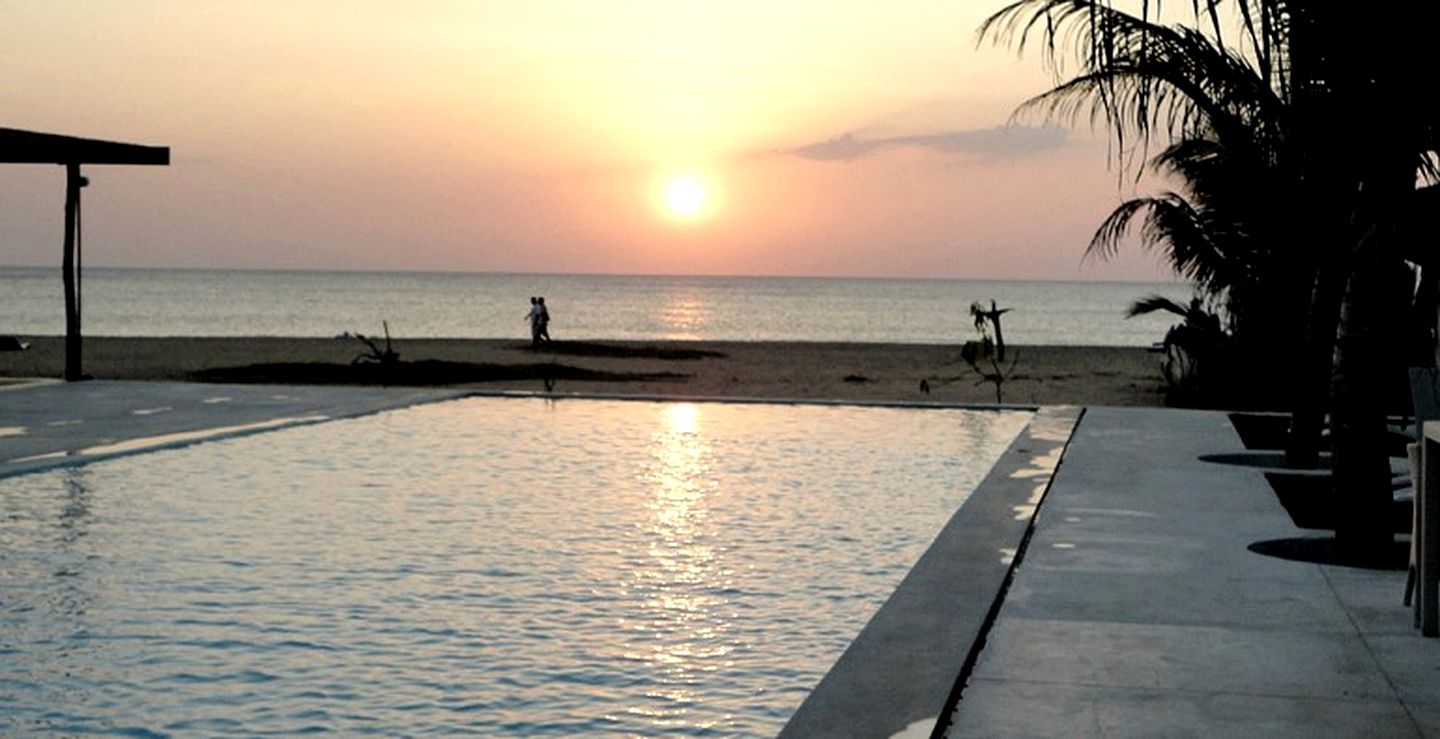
[(1227, 116), (1317, 107), (1193, 348), (1360, 91), (1226, 233)]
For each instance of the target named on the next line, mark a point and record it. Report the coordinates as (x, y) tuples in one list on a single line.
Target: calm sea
[(165, 302)]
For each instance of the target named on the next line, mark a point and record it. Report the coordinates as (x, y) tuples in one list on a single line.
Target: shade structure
[(31, 147)]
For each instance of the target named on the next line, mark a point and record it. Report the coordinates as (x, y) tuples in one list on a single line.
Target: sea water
[(484, 566), (160, 302)]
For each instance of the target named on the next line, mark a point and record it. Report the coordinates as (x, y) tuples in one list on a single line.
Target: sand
[(1118, 376)]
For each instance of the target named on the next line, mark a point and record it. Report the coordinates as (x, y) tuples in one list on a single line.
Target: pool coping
[(218, 428), (221, 428), (22, 383), (905, 669)]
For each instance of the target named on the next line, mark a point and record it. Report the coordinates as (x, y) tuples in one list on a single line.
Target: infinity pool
[(485, 566)]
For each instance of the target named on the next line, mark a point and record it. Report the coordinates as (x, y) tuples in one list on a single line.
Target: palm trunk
[(1357, 419), (1386, 121), (1307, 418), (1326, 178)]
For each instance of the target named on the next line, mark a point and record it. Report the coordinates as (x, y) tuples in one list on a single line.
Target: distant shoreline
[(1045, 375)]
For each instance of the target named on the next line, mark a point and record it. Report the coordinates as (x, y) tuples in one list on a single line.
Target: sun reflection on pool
[(683, 418), (486, 566), (682, 575)]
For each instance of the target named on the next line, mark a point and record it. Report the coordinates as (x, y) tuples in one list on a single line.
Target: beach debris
[(992, 317), (986, 356), (989, 351), (976, 353), (373, 353), (857, 379)]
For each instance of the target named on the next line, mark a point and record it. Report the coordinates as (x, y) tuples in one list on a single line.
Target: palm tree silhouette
[(1226, 115), (1367, 138), (1298, 146)]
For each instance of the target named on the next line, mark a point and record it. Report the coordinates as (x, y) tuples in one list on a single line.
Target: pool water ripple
[(493, 566)]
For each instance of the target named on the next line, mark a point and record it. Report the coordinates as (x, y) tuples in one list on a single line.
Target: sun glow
[(685, 197)]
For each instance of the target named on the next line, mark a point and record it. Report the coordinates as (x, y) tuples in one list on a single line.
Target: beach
[(1041, 375)]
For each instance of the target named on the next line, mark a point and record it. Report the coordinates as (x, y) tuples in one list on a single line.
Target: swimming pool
[(485, 566)]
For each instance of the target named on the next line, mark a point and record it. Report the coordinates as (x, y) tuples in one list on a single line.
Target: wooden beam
[(29, 147)]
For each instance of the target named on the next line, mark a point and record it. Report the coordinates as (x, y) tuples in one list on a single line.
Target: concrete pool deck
[(1139, 609), (1137, 606), (46, 423)]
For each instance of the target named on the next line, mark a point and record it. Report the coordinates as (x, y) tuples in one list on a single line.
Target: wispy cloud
[(1002, 141)]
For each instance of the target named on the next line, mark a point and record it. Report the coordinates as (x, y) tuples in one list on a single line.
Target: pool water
[(486, 566)]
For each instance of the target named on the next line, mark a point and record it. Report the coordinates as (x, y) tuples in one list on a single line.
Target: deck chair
[(1425, 393)]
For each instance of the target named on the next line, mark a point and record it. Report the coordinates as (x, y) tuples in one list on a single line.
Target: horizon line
[(524, 273)]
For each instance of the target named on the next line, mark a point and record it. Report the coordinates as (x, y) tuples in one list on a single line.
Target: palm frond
[(1140, 77), (1154, 303), (1172, 225)]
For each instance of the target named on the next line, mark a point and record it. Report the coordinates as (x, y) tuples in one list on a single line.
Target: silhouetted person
[(544, 319), (536, 327)]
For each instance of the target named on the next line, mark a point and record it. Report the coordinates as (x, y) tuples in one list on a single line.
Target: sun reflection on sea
[(685, 317)]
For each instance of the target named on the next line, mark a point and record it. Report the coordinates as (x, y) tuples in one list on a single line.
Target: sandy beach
[(1078, 375)]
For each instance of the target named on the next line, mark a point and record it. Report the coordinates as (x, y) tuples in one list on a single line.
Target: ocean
[(174, 302)]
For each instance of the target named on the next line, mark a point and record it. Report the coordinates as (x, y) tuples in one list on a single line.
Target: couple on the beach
[(539, 318)]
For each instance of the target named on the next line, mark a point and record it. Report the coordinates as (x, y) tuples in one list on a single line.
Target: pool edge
[(908, 663), (218, 430), (221, 428)]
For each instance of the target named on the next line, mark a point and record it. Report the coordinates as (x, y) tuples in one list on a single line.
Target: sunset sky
[(667, 137)]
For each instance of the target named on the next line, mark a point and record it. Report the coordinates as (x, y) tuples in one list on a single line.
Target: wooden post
[(73, 369), (29, 147)]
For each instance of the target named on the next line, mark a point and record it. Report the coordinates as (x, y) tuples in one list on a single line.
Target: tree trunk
[(1357, 418), (1384, 119), (1320, 216), (1313, 370)]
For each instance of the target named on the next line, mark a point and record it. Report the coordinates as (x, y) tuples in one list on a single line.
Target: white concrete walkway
[(1139, 609)]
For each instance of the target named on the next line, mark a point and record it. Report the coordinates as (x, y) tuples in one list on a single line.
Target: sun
[(685, 197)]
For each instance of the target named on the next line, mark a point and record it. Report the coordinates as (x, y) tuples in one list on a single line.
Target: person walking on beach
[(544, 319), (536, 311)]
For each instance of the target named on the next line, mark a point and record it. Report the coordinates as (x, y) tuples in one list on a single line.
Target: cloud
[(1001, 142)]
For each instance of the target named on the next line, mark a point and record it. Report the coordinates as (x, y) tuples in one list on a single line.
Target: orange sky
[(831, 138)]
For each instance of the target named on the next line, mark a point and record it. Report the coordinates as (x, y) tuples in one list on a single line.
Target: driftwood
[(986, 351), (373, 353)]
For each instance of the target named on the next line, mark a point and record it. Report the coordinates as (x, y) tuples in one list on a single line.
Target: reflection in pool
[(488, 565)]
